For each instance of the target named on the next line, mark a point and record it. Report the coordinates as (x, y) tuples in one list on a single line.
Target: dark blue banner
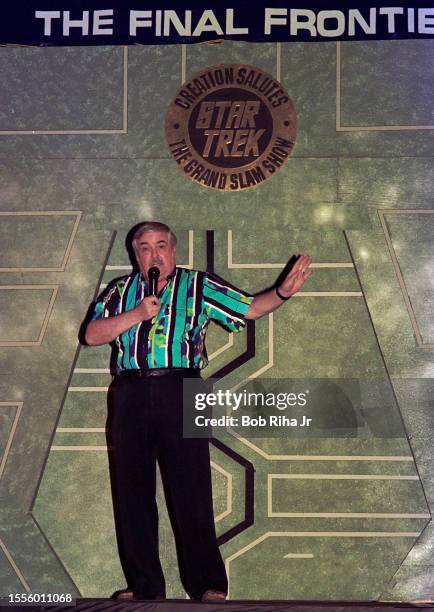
[(128, 22)]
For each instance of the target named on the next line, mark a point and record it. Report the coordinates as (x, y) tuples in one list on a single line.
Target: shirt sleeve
[(106, 305), (225, 303)]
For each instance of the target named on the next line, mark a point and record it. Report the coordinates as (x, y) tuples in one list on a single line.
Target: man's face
[(155, 249)]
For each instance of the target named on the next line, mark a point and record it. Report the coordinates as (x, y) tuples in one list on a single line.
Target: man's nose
[(155, 255)]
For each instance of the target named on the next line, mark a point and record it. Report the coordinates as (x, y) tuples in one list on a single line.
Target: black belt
[(184, 372)]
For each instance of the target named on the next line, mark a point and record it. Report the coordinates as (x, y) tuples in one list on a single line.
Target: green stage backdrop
[(343, 515)]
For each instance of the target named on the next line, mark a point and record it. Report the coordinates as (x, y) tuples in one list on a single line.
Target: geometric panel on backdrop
[(25, 236), (24, 313), (410, 239), (54, 102), (377, 85)]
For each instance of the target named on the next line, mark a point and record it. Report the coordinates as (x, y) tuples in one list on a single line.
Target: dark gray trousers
[(146, 427)]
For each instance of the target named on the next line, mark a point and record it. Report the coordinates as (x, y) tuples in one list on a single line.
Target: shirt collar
[(172, 274)]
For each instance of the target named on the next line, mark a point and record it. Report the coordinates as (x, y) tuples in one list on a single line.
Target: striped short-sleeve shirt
[(175, 338)]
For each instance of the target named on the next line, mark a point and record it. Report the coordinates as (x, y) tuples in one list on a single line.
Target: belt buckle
[(155, 372)]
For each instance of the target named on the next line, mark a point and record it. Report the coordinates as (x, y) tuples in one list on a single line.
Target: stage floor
[(182, 605)]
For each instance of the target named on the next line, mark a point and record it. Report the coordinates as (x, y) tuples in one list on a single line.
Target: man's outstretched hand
[(270, 300), (297, 276)]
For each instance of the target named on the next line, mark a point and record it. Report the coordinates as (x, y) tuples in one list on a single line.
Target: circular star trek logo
[(231, 127)]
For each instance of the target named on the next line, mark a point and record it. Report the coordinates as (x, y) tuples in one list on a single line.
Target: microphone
[(153, 275)]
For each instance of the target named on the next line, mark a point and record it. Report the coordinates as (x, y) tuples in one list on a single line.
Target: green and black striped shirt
[(175, 338)]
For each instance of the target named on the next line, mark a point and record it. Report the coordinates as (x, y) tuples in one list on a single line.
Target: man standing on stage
[(160, 341)]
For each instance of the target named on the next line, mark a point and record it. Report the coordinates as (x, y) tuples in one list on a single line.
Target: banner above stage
[(151, 22)]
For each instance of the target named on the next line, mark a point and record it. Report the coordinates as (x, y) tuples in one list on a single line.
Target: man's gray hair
[(153, 226)]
